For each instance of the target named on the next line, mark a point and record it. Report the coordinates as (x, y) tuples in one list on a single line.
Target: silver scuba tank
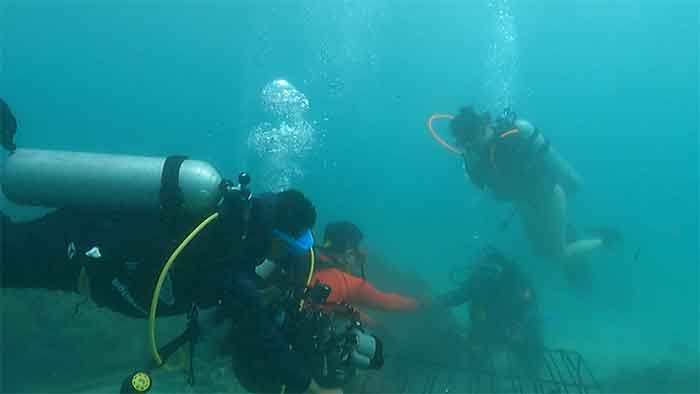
[(564, 173), (112, 182)]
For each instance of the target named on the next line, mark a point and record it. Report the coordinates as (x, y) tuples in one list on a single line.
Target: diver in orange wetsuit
[(337, 257)]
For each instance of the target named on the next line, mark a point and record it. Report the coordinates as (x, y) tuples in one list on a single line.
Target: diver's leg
[(527, 345), (582, 247), (576, 248), (479, 347), (528, 219), (76, 252), (38, 254), (605, 237), (544, 223)]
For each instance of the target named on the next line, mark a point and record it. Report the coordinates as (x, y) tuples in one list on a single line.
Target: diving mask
[(298, 246)]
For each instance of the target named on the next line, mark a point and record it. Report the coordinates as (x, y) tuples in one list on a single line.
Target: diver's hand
[(427, 303), (314, 388)]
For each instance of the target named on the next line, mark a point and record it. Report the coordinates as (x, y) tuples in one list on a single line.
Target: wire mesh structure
[(563, 372)]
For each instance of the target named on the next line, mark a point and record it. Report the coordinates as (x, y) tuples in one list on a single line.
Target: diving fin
[(8, 126)]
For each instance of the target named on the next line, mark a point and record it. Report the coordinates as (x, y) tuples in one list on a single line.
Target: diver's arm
[(468, 170), (363, 293), (474, 170), (455, 297), (264, 335)]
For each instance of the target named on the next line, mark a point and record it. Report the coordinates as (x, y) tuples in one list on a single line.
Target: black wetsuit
[(503, 311), (122, 255), (512, 167)]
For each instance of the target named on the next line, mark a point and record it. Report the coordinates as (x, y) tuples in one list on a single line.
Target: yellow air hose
[(156, 292), (164, 272), (312, 263)]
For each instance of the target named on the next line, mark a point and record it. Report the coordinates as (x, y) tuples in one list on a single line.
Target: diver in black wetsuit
[(503, 312), (515, 162), (116, 258)]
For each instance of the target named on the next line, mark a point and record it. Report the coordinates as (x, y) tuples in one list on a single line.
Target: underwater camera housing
[(361, 349), (334, 343)]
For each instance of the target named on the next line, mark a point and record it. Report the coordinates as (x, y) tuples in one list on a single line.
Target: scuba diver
[(115, 260), (342, 345), (511, 158), (120, 217), (340, 254), (503, 312)]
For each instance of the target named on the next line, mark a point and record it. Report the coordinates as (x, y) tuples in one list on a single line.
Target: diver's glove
[(8, 126)]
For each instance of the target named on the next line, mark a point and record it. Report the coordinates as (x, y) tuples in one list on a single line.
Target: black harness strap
[(171, 196)]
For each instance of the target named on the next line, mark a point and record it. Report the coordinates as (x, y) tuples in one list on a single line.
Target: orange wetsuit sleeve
[(361, 292), (346, 288)]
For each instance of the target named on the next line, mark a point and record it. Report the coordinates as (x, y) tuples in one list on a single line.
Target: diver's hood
[(261, 232), (261, 226)]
